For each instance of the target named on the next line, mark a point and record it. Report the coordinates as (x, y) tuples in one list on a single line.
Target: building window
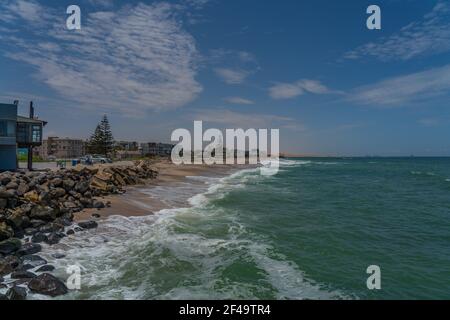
[(36, 134), (7, 128)]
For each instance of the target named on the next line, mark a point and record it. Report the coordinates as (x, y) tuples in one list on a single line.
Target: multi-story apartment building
[(61, 148)]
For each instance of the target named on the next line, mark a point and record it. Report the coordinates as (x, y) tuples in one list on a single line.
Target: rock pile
[(38, 206)]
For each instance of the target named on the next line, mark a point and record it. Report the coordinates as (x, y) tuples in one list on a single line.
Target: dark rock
[(57, 182), (19, 233), (8, 265), (43, 213), (12, 185), (28, 249), (3, 297), (46, 268), (37, 223), (82, 186), (54, 238), (10, 246), (30, 231), (63, 222), (47, 284), (70, 232), (57, 193), (16, 293), (22, 189), (78, 229), (33, 260), (39, 237), (5, 178), (96, 215), (3, 203), (98, 204), (88, 224), (51, 227), (58, 255), (22, 275), (6, 194), (68, 184), (18, 218)]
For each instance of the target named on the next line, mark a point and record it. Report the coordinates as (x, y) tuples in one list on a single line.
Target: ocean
[(309, 232)]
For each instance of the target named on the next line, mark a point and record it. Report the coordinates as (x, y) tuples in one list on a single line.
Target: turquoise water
[(309, 232)]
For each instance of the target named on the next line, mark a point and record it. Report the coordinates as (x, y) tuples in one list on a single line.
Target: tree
[(102, 140)]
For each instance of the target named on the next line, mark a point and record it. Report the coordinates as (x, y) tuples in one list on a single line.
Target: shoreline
[(134, 202)]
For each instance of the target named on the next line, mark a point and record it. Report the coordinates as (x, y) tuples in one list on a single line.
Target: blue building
[(17, 131), (8, 143)]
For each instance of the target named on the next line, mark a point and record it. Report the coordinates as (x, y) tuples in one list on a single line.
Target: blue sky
[(310, 68)]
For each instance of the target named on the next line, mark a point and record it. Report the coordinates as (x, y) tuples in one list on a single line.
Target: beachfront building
[(156, 149), (61, 148), (17, 132), (8, 156), (126, 145)]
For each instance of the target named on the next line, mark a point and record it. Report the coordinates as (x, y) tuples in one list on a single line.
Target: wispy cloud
[(292, 90), (102, 3), (429, 122), (232, 76), (131, 60), (430, 35), (238, 100), (231, 66), (400, 90)]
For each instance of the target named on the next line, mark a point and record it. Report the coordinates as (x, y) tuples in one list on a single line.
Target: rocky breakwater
[(37, 209)]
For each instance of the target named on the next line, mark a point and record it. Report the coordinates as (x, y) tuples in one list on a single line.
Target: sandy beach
[(134, 202)]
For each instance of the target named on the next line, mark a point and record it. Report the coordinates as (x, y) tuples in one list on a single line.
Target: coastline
[(136, 202)]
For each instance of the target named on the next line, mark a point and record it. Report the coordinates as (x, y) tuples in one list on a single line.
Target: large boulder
[(57, 193), (10, 246), (43, 213), (12, 185), (88, 224), (28, 249), (39, 237), (6, 194), (82, 186), (22, 189), (8, 265), (16, 293), (22, 275), (68, 184), (33, 260), (18, 218), (48, 285)]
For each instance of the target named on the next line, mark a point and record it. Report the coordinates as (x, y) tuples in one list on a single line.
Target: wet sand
[(134, 202)]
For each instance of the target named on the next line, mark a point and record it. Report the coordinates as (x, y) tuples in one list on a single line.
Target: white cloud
[(28, 10), (238, 100), (405, 89), (232, 76), (428, 36), (231, 66), (292, 90), (102, 3), (131, 60)]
